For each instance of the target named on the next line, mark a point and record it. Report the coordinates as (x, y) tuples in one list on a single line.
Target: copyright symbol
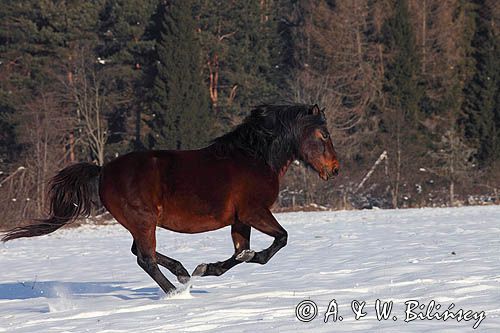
[(306, 311)]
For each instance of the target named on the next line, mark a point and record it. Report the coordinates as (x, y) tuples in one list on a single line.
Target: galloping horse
[(232, 182)]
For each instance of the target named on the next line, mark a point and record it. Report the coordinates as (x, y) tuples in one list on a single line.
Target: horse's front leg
[(241, 241), (172, 265), (265, 222)]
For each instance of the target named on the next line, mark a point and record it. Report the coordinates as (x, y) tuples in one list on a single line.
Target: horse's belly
[(188, 223), (194, 218)]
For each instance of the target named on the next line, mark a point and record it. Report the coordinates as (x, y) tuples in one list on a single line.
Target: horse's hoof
[(183, 279), (245, 255), (200, 270)]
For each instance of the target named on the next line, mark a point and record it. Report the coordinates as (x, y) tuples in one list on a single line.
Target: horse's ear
[(315, 110)]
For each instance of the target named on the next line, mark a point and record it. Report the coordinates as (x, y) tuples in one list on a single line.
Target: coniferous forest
[(411, 90)]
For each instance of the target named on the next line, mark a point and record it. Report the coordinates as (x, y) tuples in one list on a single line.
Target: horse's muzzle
[(329, 173)]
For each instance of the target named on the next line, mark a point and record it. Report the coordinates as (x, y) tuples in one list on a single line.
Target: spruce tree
[(243, 47), (36, 39), (403, 93), (122, 48), (481, 101), (12, 43), (9, 146), (402, 75), (179, 100)]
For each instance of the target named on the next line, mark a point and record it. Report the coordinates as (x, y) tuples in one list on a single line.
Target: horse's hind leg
[(264, 221), (172, 265), (146, 258), (241, 240)]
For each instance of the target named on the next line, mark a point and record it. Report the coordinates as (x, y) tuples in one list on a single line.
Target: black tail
[(71, 193)]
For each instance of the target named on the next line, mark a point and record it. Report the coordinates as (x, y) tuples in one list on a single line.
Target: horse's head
[(315, 146), (279, 134)]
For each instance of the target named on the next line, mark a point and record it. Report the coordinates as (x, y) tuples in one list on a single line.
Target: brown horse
[(232, 182)]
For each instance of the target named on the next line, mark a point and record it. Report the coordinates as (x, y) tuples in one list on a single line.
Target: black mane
[(270, 133)]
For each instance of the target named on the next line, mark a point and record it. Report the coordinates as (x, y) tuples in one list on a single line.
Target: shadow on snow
[(58, 289)]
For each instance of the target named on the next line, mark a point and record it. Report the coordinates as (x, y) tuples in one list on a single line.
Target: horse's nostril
[(336, 171)]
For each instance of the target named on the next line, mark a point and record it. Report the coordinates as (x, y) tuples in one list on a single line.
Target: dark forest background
[(411, 90)]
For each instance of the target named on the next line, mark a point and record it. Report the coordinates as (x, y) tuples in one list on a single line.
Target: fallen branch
[(21, 168), (368, 175)]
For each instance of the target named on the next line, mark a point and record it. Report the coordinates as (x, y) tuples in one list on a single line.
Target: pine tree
[(121, 50), (481, 92), (9, 146), (243, 52), (9, 59), (403, 93), (38, 41), (179, 102), (250, 52), (402, 75)]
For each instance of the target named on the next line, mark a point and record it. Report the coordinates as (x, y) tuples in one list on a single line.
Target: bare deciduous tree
[(453, 160), (85, 93), (43, 132)]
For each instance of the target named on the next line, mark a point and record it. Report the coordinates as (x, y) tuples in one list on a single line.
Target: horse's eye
[(325, 135)]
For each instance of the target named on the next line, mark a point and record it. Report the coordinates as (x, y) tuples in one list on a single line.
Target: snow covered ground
[(86, 279)]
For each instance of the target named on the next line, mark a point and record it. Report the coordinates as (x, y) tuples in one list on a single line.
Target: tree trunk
[(398, 164), (138, 144), (424, 27), (452, 193), (213, 67), (71, 147)]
